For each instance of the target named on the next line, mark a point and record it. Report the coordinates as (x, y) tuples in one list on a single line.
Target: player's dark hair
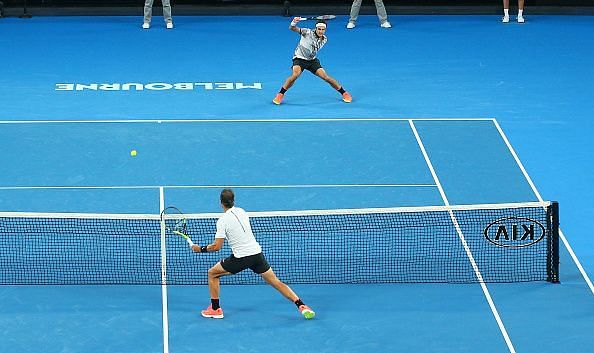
[(227, 198)]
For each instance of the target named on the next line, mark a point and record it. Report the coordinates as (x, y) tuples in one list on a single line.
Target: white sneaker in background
[(169, 25), (520, 19), (350, 25), (505, 19), (386, 25), (146, 25)]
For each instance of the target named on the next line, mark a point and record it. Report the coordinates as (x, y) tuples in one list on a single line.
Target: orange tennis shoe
[(346, 97), (278, 99), (306, 312), (215, 314)]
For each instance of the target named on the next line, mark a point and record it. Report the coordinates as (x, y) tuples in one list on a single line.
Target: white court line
[(304, 186), (164, 278), (306, 120), (561, 235), (510, 346)]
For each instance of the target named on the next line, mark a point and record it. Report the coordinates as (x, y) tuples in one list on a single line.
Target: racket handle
[(190, 242), (302, 18)]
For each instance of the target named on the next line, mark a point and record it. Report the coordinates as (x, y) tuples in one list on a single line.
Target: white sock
[(520, 13), (506, 12)]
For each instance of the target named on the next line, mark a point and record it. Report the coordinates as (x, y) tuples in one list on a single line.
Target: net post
[(553, 253)]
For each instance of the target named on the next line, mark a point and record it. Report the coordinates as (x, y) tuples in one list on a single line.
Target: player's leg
[(270, 277), (214, 287), (296, 71), (321, 73), (214, 283)]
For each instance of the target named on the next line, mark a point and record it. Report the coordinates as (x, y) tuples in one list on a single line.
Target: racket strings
[(182, 227)]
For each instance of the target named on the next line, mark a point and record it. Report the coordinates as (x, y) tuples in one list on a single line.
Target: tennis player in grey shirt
[(305, 58)]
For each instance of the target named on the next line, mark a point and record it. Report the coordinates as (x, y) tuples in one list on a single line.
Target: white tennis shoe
[(350, 25), (146, 25), (169, 25)]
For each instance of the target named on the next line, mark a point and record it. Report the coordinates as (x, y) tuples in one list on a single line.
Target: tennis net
[(453, 244)]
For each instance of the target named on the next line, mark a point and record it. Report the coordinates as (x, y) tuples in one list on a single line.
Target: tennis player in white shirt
[(234, 225)]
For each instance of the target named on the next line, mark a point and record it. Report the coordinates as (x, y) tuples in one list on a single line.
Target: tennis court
[(441, 116)]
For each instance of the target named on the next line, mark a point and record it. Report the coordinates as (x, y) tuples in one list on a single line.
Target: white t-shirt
[(235, 226), (309, 44)]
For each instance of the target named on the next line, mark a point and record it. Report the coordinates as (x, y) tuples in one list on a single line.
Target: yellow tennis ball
[(133, 153)]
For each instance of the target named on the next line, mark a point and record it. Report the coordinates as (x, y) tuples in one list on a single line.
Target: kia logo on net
[(514, 232)]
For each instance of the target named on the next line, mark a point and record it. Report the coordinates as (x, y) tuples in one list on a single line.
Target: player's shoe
[(521, 19), (146, 25), (350, 25), (505, 19), (386, 25), (306, 312), (169, 25), (346, 97), (278, 99), (215, 314)]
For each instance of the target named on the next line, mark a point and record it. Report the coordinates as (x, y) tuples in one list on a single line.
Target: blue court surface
[(485, 112)]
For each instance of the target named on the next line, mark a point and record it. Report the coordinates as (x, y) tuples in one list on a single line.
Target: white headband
[(320, 25)]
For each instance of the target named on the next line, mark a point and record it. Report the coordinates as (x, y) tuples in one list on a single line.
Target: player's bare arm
[(215, 246), (293, 26)]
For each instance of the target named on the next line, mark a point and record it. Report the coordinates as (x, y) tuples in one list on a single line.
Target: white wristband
[(293, 24)]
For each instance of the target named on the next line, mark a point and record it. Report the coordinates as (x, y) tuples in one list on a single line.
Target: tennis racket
[(322, 17), (175, 223)]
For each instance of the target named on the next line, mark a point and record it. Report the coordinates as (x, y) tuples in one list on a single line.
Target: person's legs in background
[(355, 8), (382, 14), (520, 11), (167, 13), (148, 13), (505, 18)]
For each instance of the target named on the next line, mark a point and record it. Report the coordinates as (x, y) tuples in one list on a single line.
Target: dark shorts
[(256, 263), (310, 65)]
